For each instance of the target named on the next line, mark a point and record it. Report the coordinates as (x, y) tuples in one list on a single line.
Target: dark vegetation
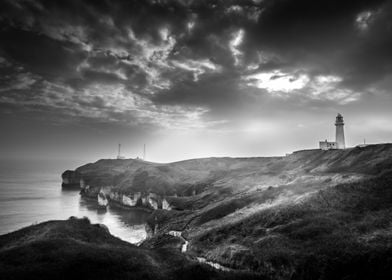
[(344, 232), (76, 249)]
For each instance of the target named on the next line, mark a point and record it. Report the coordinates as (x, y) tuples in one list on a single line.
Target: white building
[(339, 137)]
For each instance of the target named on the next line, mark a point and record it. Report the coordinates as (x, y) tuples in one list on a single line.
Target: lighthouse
[(339, 137), (340, 142)]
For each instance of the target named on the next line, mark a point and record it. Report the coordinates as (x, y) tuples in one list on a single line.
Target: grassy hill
[(232, 175), (77, 249), (310, 215), (343, 232)]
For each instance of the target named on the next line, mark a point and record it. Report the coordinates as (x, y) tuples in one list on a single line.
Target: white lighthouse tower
[(340, 142)]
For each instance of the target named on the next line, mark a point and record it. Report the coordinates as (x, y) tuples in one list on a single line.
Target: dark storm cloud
[(325, 36), (40, 54), (161, 58), (213, 88)]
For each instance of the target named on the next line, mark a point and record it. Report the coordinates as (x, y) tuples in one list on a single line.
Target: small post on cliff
[(119, 151), (144, 152)]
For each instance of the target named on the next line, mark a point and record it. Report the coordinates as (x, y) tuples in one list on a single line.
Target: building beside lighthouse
[(339, 137)]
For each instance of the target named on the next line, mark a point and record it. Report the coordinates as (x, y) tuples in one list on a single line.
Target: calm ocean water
[(30, 192)]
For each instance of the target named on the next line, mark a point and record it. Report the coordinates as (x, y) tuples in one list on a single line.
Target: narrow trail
[(184, 249)]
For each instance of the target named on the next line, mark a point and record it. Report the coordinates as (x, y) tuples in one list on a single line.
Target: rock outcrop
[(71, 179), (102, 199)]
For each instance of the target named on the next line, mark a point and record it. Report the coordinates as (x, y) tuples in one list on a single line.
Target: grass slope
[(76, 249), (343, 232), (311, 215), (186, 178)]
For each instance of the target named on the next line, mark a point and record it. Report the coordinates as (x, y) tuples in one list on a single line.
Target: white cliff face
[(115, 196), (166, 205), (102, 200), (152, 200), (126, 200), (153, 203), (131, 200)]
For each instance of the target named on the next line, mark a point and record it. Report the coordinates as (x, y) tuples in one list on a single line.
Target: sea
[(30, 193)]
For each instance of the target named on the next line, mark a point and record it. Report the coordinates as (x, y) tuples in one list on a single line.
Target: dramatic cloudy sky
[(191, 78)]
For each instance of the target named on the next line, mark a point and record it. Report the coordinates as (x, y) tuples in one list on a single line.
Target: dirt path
[(184, 249)]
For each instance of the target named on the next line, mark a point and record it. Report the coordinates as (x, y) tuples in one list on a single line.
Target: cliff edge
[(138, 183), (310, 215)]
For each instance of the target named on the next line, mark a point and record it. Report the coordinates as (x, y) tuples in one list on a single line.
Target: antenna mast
[(144, 152), (119, 151)]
